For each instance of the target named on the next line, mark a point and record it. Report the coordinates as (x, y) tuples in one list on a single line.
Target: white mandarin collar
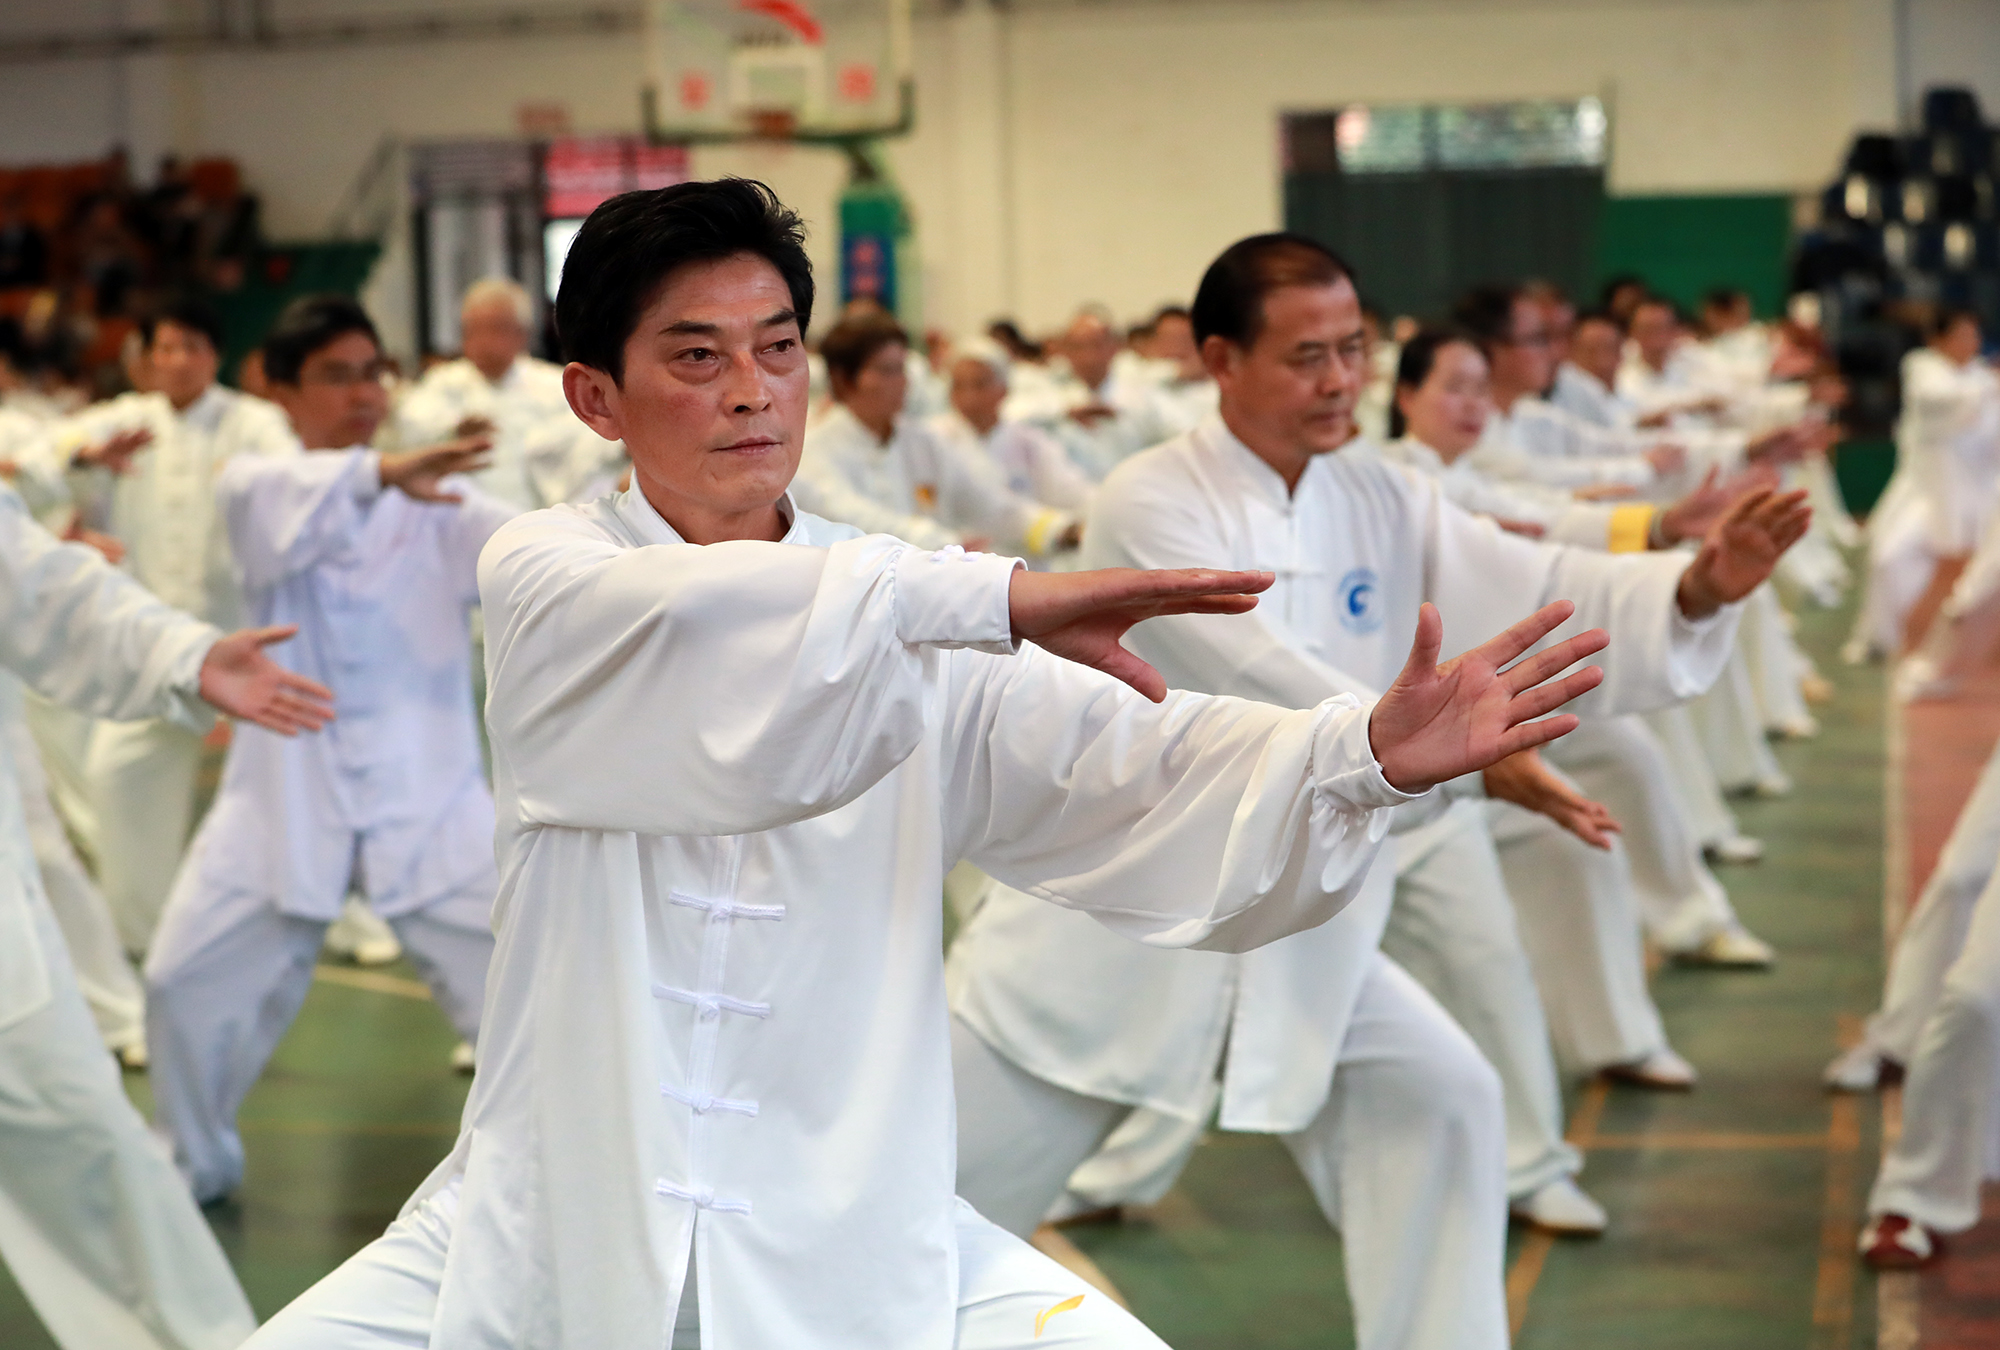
[(1263, 481), (648, 526), (1418, 455), (205, 413)]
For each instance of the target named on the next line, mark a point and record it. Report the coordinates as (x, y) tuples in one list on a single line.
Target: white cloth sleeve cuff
[(1343, 761), (951, 598), (182, 681), (368, 477)]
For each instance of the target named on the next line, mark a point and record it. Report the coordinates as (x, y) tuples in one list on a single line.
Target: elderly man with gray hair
[(541, 454)]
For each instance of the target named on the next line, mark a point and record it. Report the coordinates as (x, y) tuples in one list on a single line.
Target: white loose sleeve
[(719, 689), (286, 513), (89, 637), (1201, 822)]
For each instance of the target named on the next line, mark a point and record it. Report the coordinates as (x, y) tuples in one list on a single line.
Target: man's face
[(712, 406), (1560, 317), (1654, 329), (878, 390), (492, 336), (1597, 347), (181, 363), (339, 400), (1173, 340), (977, 391), (1090, 346), (1292, 392), (1524, 361), (1960, 342)]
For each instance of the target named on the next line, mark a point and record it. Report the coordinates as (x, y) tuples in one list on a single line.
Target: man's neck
[(494, 374), (698, 524), (984, 428), (1505, 396), (182, 405), (1289, 462), (881, 428)]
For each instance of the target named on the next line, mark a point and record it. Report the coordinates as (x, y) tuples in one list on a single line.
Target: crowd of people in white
[(714, 757)]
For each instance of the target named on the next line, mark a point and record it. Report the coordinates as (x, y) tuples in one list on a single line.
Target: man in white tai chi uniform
[(160, 504), (391, 802), (1385, 1104), (94, 1225), (735, 748)]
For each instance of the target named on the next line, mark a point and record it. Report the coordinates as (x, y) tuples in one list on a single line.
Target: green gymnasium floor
[(1733, 1208)]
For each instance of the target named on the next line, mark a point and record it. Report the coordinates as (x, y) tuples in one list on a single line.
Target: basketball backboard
[(810, 70)]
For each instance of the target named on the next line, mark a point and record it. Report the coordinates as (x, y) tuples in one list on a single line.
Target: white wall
[(1065, 152)]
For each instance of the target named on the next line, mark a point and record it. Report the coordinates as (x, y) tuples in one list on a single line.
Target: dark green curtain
[(1417, 239)]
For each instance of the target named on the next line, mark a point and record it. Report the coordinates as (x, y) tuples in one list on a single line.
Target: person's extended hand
[(1525, 780), (109, 546), (1439, 721), (1527, 529), (416, 473), (114, 453), (1667, 460), (1742, 549), (240, 680), (1695, 514), (1080, 616)]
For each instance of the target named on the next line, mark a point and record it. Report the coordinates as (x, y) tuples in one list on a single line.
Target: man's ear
[(1216, 352), (595, 398)]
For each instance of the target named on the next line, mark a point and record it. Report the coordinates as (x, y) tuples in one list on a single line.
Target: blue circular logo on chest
[(1359, 599)]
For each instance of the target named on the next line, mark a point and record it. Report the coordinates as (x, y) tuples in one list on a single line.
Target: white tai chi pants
[(1620, 762), (226, 976), (103, 971), (1579, 921), (1453, 929), (1901, 562), (1730, 722), (1406, 1159), (94, 1224), (1933, 1172), (385, 1296), (1693, 776), (1935, 933), (142, 781)]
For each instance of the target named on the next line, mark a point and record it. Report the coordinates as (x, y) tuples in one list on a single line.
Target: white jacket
[(1357, 548), (85, 635), (729, 780), (381, 588), (163, 511)]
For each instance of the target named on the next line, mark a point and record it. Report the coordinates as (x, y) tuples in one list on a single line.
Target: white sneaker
[(1777, 785), (132, 1055), (1918, 681), (1562, 1207), (1661, 1071), (1738, 848), (1069, 1208), (1797, 729), (359, 935), (1734, 946), (462, 1058), (1856, 1069)]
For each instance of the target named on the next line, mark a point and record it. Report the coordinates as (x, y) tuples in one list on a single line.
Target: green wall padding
[(1683, 246), (1862, 469), (280, 274)]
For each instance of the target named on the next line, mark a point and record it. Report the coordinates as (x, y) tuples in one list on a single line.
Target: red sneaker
[(1892, 1242)]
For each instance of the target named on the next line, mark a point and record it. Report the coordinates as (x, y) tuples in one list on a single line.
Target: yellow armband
[(1631, 527)]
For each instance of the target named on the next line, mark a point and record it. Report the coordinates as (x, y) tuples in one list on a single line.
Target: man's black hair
[(1724, 297), (1617, 282), (183, 311), (1487, 313), (852, 343), (1229, 303), (1604, 316), (1414, 365), (1947, 317), (308, 324), (627, 247)]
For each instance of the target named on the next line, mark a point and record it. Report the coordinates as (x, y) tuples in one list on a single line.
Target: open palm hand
[(1437, 722), (1081, 616)]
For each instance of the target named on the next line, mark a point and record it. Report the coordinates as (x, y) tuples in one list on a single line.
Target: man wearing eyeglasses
[(141, 468), (372, 556)]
